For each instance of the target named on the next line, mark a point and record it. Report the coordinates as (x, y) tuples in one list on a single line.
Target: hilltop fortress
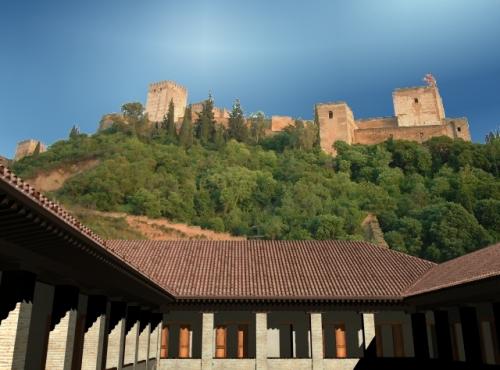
[(418, 116)]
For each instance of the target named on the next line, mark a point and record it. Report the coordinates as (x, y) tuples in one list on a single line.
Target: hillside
[(437, 200)]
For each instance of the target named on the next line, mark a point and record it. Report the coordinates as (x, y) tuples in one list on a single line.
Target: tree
[(186, 132), (492, 136), (133, 111), (205, 124), (450, 231), (168, 123), (136, 120), (37, 150), (238, 129), (75, 131), (257, 127)]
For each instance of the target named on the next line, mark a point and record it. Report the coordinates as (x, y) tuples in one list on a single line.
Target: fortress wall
[(420, 134), (379, 122), (279, 123), (221, 115), (418, 106)]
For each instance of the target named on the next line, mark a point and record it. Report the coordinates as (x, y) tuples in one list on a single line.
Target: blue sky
[(69, 62)]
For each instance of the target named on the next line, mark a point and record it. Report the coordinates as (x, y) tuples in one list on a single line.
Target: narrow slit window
[(220, 342), (242, 341), (184, 341), (415, 100), (330, 114), (164, 342), (340, 341)]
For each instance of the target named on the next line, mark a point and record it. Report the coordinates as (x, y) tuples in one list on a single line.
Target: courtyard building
[(71, 300)]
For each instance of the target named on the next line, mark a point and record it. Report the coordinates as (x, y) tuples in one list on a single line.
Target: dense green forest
[(437, 200)]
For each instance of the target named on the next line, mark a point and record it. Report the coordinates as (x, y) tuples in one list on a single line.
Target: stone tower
[(159, 96), (418, 106), (336, 122), (28, 147)]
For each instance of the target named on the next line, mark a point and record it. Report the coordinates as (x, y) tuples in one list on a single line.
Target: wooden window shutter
[(164, 342), (398, 340), (378, 341), (184, 339), (340, 341), (220, 342), (242, 341)]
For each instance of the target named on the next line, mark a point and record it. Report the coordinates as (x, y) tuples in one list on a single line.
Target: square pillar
[(95, 331), (62, 328), (116, 335), (443, 337), (369, 334), (156, 319), (40, 324), (207, 339), (419, 329), (143, 340), (16, 304), (131, 336), (317, 341), (261, 340), (496, 338), (470, 333), (409, 344)]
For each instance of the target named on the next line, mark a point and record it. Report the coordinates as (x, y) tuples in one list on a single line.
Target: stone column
[(155, 332), (143, 340), (419, 329), (16, 303), (261, 340), (116, 335), (387, 340), (317, 341), (95, 331), (496, 316), (40, 324), (443, 337), (470, 333), (369, 334), (409, 345), (207, 340), (62, 328), (131, 336)]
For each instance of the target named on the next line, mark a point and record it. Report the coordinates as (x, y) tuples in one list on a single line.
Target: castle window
[(330, 114), (415, 100), (459, 129)]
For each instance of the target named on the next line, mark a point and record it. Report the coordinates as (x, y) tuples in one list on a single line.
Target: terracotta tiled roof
[(19, 186), (481, 264), (323, 270), (7, 176)]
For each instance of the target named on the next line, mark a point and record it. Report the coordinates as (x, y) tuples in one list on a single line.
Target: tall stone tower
[(418, 106), (159, 96), (336, 122), (28, 147)]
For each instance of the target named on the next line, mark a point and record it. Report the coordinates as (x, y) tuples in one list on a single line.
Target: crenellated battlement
[(166, 84)]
